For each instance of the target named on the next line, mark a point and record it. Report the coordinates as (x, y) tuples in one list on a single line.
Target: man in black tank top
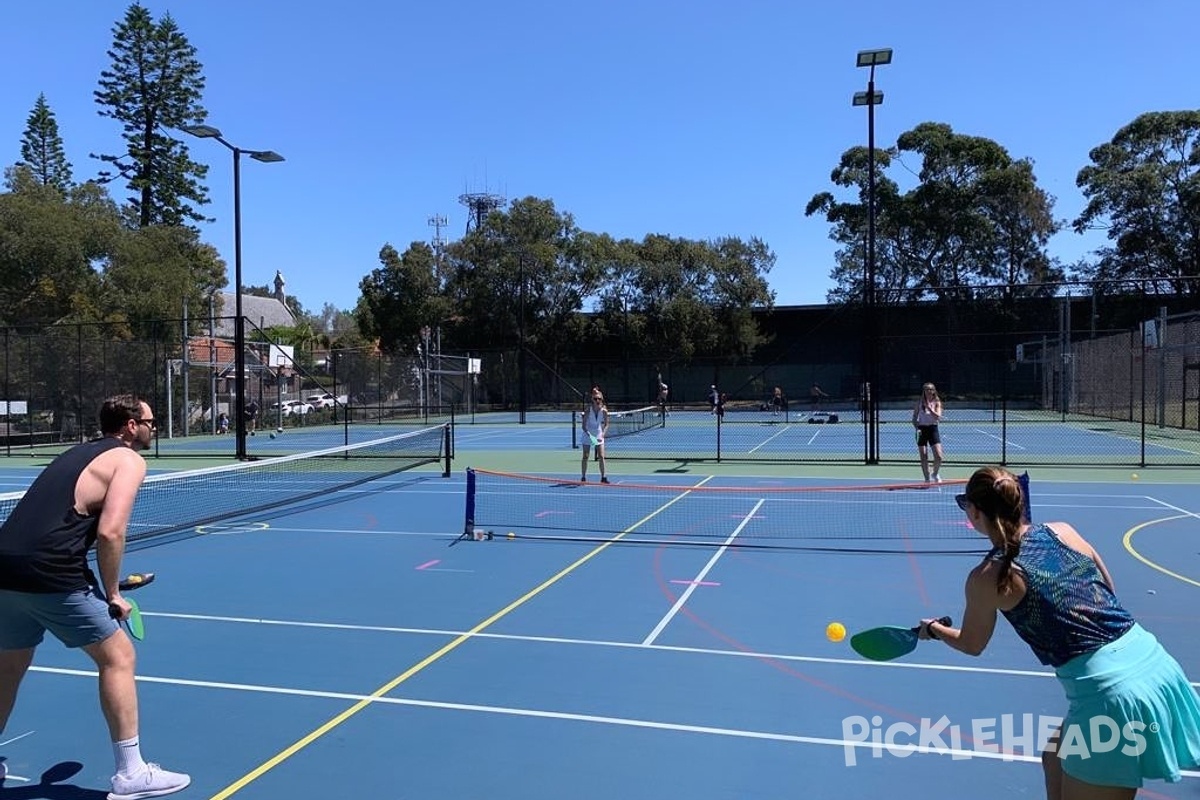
[(84, 498)]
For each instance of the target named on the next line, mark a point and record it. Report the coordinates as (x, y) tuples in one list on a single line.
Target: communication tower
[(479, 205), (437, 222)]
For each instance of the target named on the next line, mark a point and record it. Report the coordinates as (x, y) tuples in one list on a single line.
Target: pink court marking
[(697, 583), (429, 564)]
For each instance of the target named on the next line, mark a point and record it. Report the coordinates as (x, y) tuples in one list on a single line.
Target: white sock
[(129, 757)]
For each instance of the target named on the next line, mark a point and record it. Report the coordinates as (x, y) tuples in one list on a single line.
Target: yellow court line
[(1127, 540), (299, 745)]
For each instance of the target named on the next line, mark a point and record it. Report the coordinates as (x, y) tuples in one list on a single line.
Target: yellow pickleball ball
[(512, 535), (835, 631), (1134, 476)]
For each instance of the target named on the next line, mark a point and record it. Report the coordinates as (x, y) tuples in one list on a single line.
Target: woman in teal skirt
[(1132, 714)]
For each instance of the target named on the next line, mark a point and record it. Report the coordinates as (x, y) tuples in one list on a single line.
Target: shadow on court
[(51, 786)]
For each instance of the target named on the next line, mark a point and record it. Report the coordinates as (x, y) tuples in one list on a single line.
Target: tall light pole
[(871, 98), (239, 326), (522, 363)]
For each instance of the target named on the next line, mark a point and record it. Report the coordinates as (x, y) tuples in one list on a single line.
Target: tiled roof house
[(260, 312)]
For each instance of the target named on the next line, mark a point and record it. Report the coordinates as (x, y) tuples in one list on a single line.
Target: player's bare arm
[(109, 487), (979, 617)]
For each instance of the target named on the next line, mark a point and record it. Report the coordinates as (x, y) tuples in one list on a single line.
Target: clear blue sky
[(698, 119)]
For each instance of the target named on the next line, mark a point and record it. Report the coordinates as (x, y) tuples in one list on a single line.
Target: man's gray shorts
[(76, 618)]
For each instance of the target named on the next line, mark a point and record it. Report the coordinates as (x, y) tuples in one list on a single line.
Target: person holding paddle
[(1058, 595), (925, 418), (83, 498), (595, 426)]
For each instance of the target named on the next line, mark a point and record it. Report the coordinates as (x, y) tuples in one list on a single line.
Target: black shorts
[(927, 435)]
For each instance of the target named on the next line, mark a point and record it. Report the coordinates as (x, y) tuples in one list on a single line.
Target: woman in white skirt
[(595, 426)]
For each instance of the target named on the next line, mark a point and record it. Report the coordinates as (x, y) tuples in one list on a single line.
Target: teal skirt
[(1132, 716)]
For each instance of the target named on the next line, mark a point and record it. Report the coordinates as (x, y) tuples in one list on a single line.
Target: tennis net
[(184, 501), (625, 423), (893, 518)]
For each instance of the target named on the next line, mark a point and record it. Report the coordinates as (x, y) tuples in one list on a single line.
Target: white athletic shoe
[(937, 478), (153, 781)]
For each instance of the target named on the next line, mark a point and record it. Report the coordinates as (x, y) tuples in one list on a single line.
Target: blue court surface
[(354, 646)]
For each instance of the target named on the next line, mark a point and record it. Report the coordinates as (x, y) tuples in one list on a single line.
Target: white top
[(593, 419), (927, 413)]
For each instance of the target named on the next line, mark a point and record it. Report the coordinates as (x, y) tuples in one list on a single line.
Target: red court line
[(918, 578), (774, 663)]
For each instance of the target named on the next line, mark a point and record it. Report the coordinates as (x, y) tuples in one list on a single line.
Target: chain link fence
[(1078, 379), (1081, 378), (54, 381)]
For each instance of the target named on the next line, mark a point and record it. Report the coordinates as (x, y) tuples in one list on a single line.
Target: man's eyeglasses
[(148, 422), (962, 501)]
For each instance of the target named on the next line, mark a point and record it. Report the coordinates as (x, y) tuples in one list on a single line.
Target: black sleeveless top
[(44, 543)]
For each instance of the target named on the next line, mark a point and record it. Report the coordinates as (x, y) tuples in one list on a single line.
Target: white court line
[(361, 531), (515, 637), (712, 562), (1081, 427), (16, 738), (6, 743), (1130, 438), (769, 439), (1173, 507), (999, 439), (564, 715)]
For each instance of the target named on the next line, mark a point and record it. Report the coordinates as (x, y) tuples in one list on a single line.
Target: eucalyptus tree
[(154, 270), (50, 247), (400, 298), (974, 221), (523, 273), (1143, 186)]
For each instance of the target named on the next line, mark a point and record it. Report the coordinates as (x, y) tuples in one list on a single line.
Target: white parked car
[(295, 407), (324, 400)]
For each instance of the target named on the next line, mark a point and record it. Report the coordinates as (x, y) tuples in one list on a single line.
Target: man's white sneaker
[(937, 478), (153, 781)]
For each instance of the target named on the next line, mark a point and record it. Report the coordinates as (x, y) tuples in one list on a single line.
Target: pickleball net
[(890, 518), (182, 502)]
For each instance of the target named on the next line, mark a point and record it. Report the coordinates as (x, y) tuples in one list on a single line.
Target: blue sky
[(697, 119)]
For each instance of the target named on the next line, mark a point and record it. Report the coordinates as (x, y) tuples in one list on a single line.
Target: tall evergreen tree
[(155, 83), (42, 148)]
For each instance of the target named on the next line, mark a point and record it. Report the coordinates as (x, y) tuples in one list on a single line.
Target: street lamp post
[(522, 363), (871, 98), (239, 326)]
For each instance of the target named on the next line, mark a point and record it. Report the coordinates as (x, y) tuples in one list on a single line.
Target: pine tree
[(155, 84), (42, 148)]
